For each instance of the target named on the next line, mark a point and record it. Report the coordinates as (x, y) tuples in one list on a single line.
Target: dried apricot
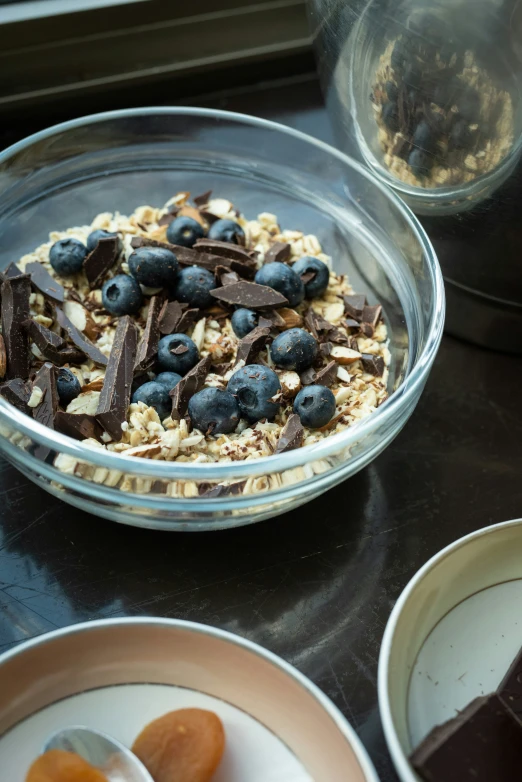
[(59, 766), (182, 746)]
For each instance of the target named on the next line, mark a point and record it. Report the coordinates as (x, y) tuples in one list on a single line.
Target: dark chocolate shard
[(350, 323), (17, 393), (15, 309), (510, 688), (273, 319), (101, 260), (170, 316), (279, 251), (166, 219), (80, 426), (221, 490), (148, 346), (188, 386), (116, 392), (210, 217), (369, 319), (188, 256), (322, 329), (179, 350), (79, 339), (226, 276), (481, 744), (187, 319), (222, 369), (203, 199), (353, 344), (291, 436), (51, 346), (250, 295), (250, 346), (374, 365), (11, 272), (44, 282), (328, 375), (225, 250), (354, 305), (45, 379), (325, 348)]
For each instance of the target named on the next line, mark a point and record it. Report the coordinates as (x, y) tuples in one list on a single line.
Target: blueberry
[(254, 386), (121, 295), (153, 266), (214, 411), (390, 116), (317, 284), (177, 353), (227, 231), (283, 279), (154, 395), (420, 163), (294, 349), (168, 379), (95, 236), (66, 256), (194, 285), (315, 406), (184, 231), (244, 321), (460, 136), (68, 386), (425, 137)]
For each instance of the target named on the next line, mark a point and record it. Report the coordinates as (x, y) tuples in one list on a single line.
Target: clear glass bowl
[(67, 174)]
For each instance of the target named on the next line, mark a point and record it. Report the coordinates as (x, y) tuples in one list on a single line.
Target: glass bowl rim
[(274, 463)]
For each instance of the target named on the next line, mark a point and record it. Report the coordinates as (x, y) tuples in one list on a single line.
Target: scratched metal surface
[(317, 585)]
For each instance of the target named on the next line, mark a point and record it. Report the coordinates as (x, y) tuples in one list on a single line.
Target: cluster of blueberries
[(252, 391)]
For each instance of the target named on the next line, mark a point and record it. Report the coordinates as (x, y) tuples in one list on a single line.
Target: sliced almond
[(342, 395), (82, 319), (290, 383), (94, 385), (220, 207), (195, 214), (344, 355), (3, 357), (144, 451), (159, 233), (198, 335), (343, 375), (291, 318)]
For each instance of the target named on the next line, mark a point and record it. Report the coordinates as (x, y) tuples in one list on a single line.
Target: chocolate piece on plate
[(17, 393), (374, 365), (354, 305), (15, 309), (78, 425), (203, 199), (45, 380), (148, 346), (101, 260), (116, 391), (44, 282), (327, 375), (252, 344), (291, 436), (51, 345), (170, 315), (510, 688), (79, 339), (188, 386), (250, 295), (279, 251), (11, 272), (481, 744)]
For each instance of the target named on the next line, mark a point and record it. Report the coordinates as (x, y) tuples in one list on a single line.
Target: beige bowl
[(451, 636), (116, 675)]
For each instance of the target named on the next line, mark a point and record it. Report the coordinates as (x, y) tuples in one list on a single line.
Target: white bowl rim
[(326, 704), (399, 758), (275, 462)]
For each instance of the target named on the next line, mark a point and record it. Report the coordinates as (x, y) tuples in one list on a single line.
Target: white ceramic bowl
[(451, 637), (117, 675)]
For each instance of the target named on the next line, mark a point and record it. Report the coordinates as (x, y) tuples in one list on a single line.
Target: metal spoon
[(106, 754)]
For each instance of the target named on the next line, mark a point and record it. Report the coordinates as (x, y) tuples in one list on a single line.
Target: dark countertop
[(317, 585)]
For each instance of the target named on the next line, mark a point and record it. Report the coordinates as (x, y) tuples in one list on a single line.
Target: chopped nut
[(291, 318), (290, 383), (344, 355), (36, 397)]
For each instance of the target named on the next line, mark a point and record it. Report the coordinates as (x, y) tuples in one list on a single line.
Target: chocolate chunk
[(148, 346), (225, 250), (45, 379), (273, 319), (203, 199), (374, 365), (353, 344), (15, 309), (17, 393), (328, 375), (188, 386), (354, 305), (291, 436), (79, 339), (250, 346), (510, 688), (44, 282), (115, 394), (222, 369), (179, 350), (225, 276), (11, 272), (250, 295), (308, 376), (279, 251), (322, 329), (101, 260), (51, 345), (166, 219), (221, 490), (187, 319), (208, 216), (481, 744), (350, 323), (369, 319), (78, 425), (325, 348), (170, 316), (189, 256)]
